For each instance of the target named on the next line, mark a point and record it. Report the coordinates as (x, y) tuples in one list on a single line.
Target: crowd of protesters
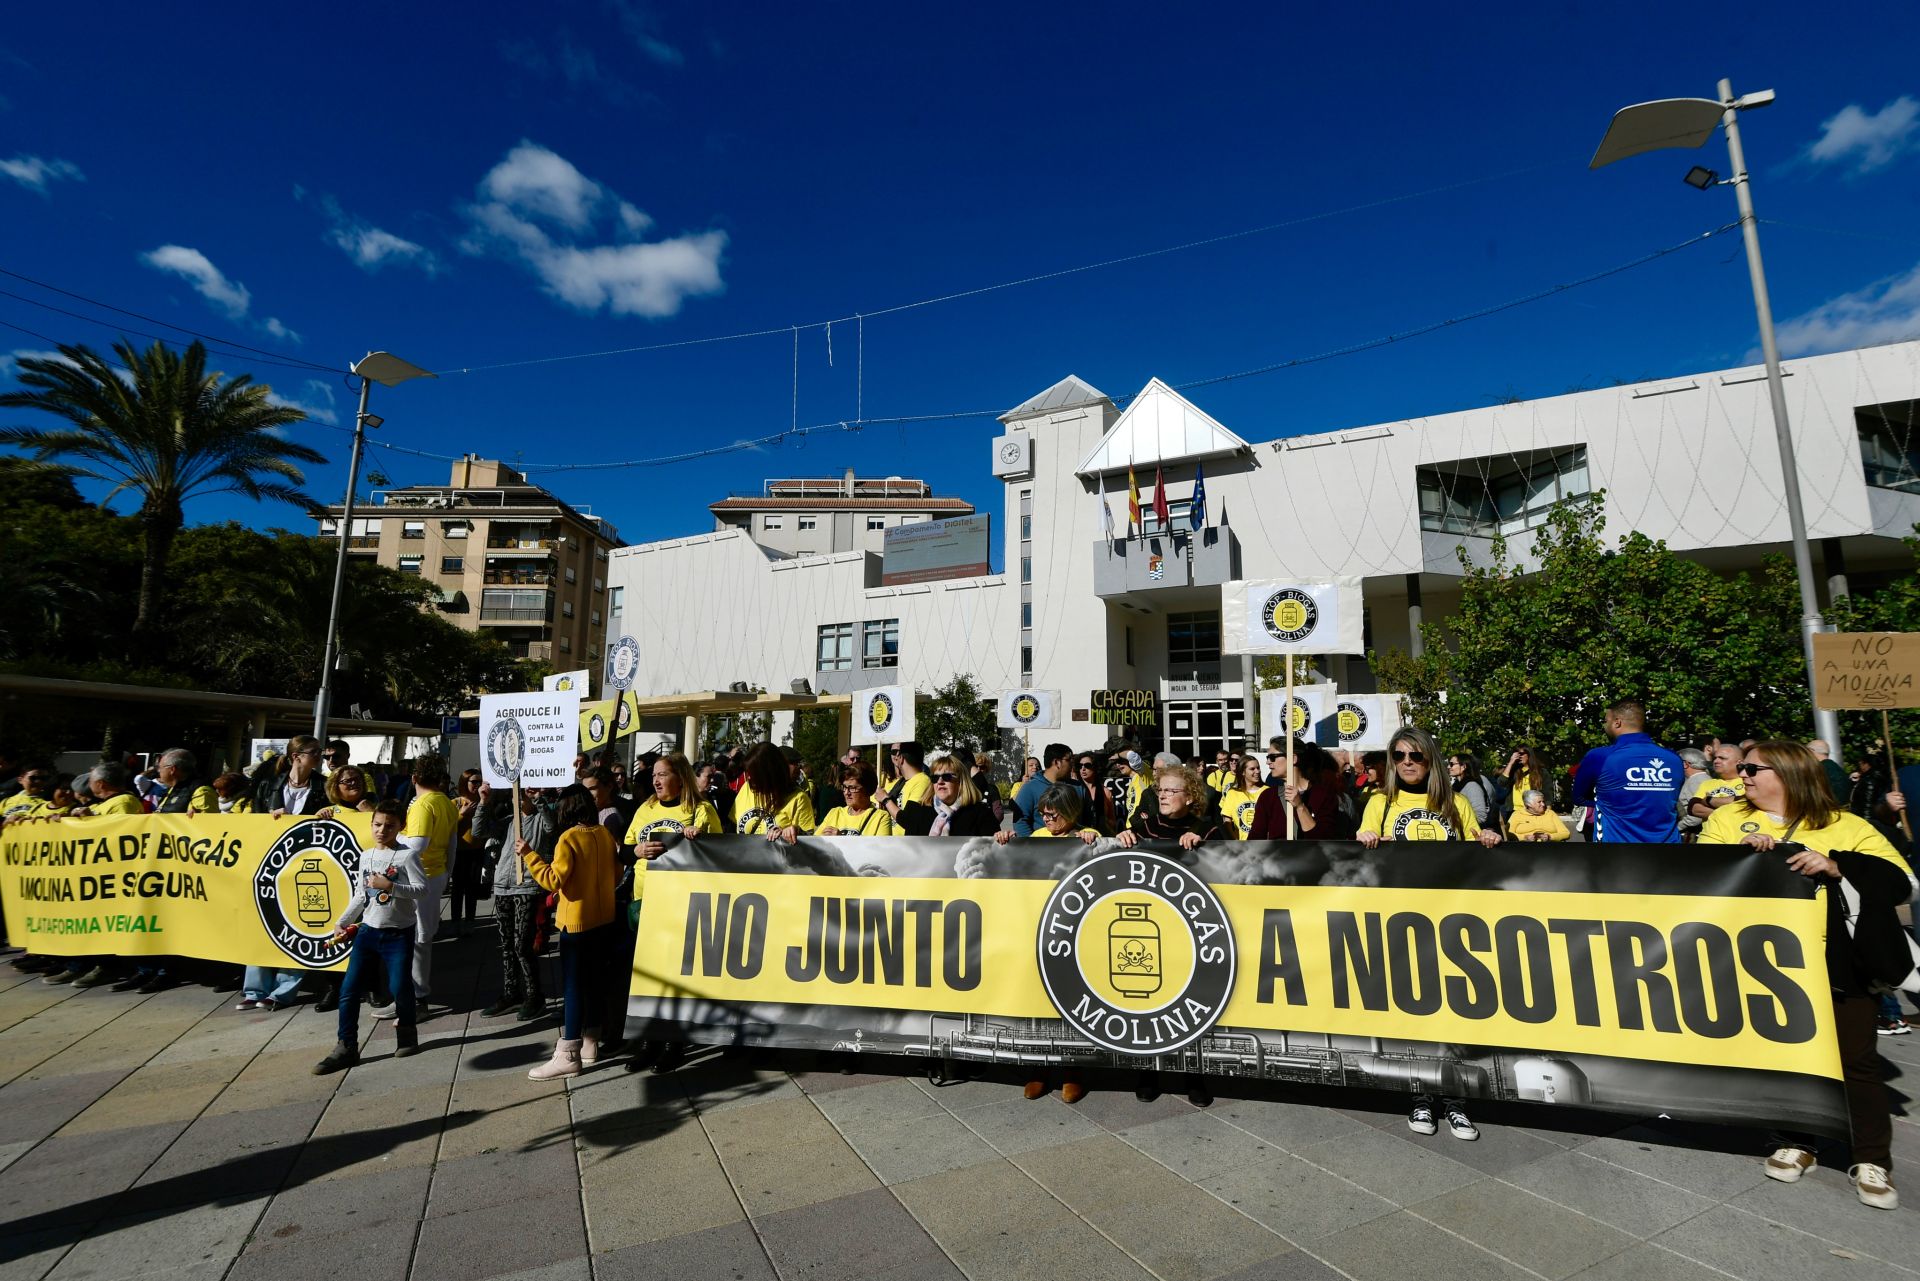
[(566, 872)]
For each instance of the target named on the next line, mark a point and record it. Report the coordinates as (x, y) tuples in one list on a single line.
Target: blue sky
[(500, 186)]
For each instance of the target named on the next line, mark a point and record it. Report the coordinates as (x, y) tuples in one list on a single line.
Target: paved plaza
[(170, 1138)]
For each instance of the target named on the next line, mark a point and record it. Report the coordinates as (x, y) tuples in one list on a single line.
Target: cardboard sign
[(528, 738), (883, 715), (1271, 617), (1029, 708), (1866, 670)]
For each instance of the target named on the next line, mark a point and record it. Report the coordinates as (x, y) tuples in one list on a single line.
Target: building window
[(566, 644), (599, 553), (566, 609), (1507, 495), (598, 585), (876, 522), (593, 653), (413, 529), (570, 574), (453, 564), (455, 528), (329, 526), (616, 600), (1889, 446), (880, 643), (835, 651), (593, 617), (514, 605), (1179, 516), (1026, 613), (1192, 639), (410, 564), (809, 522), (1026, 660), (773, 522), (1026, 569)]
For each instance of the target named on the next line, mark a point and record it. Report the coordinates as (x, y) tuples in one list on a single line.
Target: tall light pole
[(1689, 122), (389, 371)]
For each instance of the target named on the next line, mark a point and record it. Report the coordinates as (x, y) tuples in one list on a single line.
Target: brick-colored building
[(506, 555)]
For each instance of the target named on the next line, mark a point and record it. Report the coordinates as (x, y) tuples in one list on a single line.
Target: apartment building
[(818, 516), (503, 554)]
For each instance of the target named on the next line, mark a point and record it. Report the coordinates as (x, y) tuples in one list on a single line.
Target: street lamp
[(388, 370), (1689, 122)]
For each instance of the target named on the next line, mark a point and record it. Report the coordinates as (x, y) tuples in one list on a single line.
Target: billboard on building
[(933, 549)]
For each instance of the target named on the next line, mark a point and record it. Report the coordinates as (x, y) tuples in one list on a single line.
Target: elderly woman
[(956, 807), (1535, 822), (1059, 810), (858, 815), (1788, 809), (346, 790), (1180, 813)]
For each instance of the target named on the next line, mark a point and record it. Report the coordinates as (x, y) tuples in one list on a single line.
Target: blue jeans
[(390, 949), (263, 984), (583, 977)]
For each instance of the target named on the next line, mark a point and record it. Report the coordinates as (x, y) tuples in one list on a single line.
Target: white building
[(1689, 460)]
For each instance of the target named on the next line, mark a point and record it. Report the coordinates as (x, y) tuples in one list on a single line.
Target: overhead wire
[(105, 324)]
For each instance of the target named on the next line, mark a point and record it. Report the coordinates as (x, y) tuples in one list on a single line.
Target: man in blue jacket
[(1633, 782)]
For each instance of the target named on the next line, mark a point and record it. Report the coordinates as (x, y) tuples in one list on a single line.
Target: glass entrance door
[(1204, 727)]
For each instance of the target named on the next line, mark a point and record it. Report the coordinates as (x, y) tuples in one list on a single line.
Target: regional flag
[(1159, 497), (1133, 500), (1106, 512)]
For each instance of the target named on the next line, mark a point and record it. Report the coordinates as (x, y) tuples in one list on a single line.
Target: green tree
[(957, 715), (816, 736), (168, 431), (1535, 653)]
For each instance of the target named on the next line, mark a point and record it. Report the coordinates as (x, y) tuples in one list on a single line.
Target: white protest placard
[(567, 683), (623, 663), (1364, 722), (259, 749), (1271, 616), (1312, 712), (883, 715), (1029, 708), (528, 738)]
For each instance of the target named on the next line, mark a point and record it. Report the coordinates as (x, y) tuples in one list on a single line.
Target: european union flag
[(1197, 511)]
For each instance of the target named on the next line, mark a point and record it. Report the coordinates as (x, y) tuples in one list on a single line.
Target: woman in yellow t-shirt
[(1418, 803), (858, 816), (1534, 821), (769, 802), (674, 809), (1789, 804), (1243, 795), (1059, 810)]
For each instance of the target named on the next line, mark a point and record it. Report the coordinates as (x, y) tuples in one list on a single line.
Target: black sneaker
[(344, 1056), (406, 1040), (1147, 1089), (94, 977), (329, 1001), (532, 1009), (1198, 1094), (499, 1007), (156, 983)]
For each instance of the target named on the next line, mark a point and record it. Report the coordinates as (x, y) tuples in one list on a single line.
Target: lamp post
[(389, 371), (1689, 122)]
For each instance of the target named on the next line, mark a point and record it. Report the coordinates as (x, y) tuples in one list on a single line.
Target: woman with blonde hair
[(1789, 809), (955, 807), (346, 790)]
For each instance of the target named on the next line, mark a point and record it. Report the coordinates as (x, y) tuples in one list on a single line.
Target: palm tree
[(164, 428)]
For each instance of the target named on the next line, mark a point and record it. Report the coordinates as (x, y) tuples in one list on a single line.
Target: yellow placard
[(246, 888), (1719, 981)]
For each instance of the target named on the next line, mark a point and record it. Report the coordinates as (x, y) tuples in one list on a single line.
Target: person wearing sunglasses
[(857, 815), (1418, 803), (1633, 783), (956, 808), (1788, 810)]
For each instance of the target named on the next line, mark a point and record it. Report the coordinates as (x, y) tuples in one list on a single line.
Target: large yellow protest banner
[(245, 888)]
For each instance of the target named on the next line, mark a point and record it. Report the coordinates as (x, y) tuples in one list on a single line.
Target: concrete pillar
[(842, 730), (690, 733), (1836, 562), (1415, 645)]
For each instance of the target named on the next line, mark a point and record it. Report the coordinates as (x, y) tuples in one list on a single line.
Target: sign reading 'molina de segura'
[(933, 549)]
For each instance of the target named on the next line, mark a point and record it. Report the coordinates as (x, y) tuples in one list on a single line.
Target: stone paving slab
[(172, 1138)]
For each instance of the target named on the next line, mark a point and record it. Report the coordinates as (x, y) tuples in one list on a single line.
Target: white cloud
[(273, 326), (10, 360), (371, 247), (1885, 311), (315, 401), (34, 174), (207, 280), (1866, 142), (536, 208), (638, 22)]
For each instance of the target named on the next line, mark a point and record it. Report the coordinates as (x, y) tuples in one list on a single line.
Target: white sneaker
[(1874, 1186), (1459, 1125), (1420, 1120), (1787, 1164), (383, 1011)]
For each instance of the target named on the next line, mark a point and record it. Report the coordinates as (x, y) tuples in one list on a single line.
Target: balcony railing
[(498, 614), (507, 544), (1151, 562), (509, 578), (363, 542)]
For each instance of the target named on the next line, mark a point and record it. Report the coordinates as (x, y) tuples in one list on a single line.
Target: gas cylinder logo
[(880, 713), (1290, 615), (1136, 953), (305, 880), (1351, 721), (1026, 709)]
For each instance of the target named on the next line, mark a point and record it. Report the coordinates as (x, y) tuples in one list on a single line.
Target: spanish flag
[(1133, 500)]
